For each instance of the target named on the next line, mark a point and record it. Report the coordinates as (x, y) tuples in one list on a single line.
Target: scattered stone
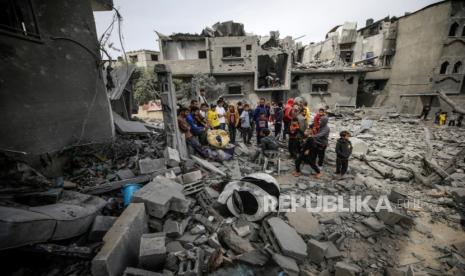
[(174, 246), (304, 222), (125, 174), (209, 166), (233, 241), (152, 251), (198, 229), (100, 226), (175, 229), (363, 230), (132, 271), (331, 251), (122, 242)]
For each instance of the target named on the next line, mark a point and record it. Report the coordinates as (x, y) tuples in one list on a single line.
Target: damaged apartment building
[(250, 66), (399, 62)]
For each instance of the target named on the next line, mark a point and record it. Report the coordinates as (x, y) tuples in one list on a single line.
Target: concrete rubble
[(168, 229)]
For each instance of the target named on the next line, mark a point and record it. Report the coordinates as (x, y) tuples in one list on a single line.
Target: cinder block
[(122, 242)]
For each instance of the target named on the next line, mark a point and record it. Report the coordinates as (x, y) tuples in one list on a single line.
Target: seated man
[(196, 129), (268, 142), (185, 128), (304, 152)]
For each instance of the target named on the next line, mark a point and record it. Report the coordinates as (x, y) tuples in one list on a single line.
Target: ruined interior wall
[(182, 50), (340, 90), (52, 94), (245, 64), (419, 45), (372, 43)]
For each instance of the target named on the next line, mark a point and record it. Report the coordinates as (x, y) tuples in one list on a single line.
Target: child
[(246, 125), (232, 119), (343, 152), (304, 154), (212, 117), (294, 137), (221, 113), (268, 142), (316, 120), (262, 123), (442, 118)]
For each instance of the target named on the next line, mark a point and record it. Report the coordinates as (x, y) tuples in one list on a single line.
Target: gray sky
[(312, 18)]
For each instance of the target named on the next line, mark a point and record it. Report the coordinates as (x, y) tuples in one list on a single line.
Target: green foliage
[(145, 88)]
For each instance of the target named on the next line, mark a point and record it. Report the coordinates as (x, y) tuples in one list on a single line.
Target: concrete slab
[(132, 271), (290, 243), (192, 177), (122, 241), (304, 222), (207, 165), (347, 269), (316, 251), (125, 174)]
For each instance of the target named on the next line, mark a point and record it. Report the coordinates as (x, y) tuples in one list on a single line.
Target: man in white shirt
[(221, 112)]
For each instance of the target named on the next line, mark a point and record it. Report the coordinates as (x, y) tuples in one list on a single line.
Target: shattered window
[(248, 47), (16, 16), (320, 87), (202, 54), (154, 57), (229, 52), (235, 90)]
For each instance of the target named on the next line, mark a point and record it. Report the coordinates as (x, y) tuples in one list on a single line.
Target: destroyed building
[(405, 60), (142, 58), (52, 85)]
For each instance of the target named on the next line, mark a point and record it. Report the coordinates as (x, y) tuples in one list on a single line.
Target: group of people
[(306, 135), (442, 118)]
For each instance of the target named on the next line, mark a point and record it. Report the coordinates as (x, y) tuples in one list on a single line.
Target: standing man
[(221, 113), (425, 112), (287, 118), (321, 142), (261, 108), (202, 99), (278, 120)]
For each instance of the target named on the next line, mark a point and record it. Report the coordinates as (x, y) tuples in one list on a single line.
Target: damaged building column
[(174, 137)]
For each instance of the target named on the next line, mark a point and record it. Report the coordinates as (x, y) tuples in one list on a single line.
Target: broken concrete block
[(174, 246), (332, 252), (304, 222), (242, 227), (125, 174), (316, 251), (132, 271), (289, 265), (156, 224), (393, 217), (122, 242), (172, 157), (192, 177), (148, 165), (187, 238), (233, 241), (374, 224), (152, 252), (209, 166), (346, 269), (162, 195), (459, 195), (191, 267), (100, 227), (254, 257), (213, 241), (363, 230), (290, 243), (359, 147), (174, 229)]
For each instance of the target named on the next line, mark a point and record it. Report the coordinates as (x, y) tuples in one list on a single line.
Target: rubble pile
[(198, 217)]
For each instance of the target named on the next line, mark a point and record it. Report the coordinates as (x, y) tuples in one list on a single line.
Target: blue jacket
[(260, 109), (195, 129)]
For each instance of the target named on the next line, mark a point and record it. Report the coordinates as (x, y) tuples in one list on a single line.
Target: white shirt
[(221, 111)]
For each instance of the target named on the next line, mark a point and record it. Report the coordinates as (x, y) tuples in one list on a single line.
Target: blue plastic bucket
[(128, 190)]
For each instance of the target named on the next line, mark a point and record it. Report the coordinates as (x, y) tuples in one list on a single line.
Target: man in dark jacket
[(278, 120), (321, 140), (261, 108), (343, 152), (303, 156)]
